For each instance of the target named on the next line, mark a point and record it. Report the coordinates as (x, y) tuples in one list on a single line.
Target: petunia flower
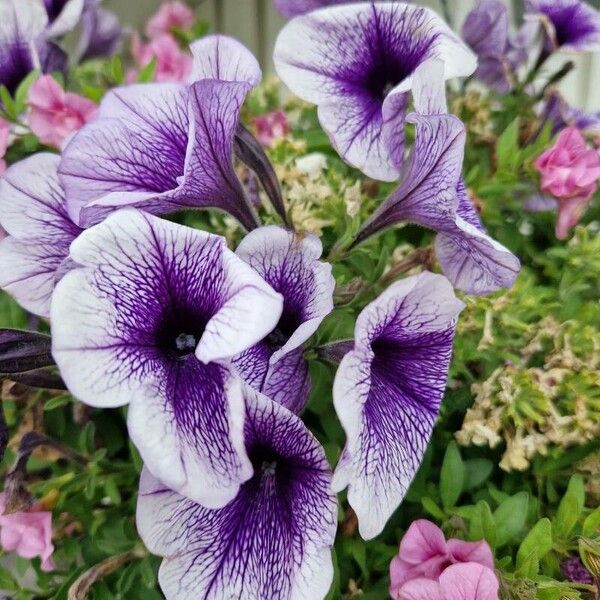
[(425, 554), (273, 540), (165, 147), (560, 114), (54, 114), (33, 211), (356, 62), (63, 15), (4, 135), (22, 22), (101, 32), (150, 318), (486, 31), (387, 393), (467, 581), (172, 63), (571, 25), (28, 534), (170, 15), (290, 264), (432, 194)]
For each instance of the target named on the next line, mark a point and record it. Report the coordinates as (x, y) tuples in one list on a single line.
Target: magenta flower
[(170, 15), (28, 534), (570, 171), (468, 581), (425, 554), (4, 133), (270, 127), (55, 114), (172, 63)]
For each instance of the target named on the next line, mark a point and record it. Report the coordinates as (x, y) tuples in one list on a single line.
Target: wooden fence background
[(256, 23)]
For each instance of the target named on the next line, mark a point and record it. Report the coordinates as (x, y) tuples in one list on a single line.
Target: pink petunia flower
[(569, 171), (55, 114), (28, 534), (425, 554), (169, 16), (172, 63), (4, 133), (271, 126), (466, 581)]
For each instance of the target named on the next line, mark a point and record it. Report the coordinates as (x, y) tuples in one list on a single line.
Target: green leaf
[(432, 508), (537, 543), (510, 517), (482, 525), (57, 402), (570, 507), (23, 91), (507, 147), (146, 74), (591, 525), (452, 476), (8, 104), (477, 470)]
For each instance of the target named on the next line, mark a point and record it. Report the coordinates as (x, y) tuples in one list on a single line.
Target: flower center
[(185, 343), (178, 332), (288, 323)]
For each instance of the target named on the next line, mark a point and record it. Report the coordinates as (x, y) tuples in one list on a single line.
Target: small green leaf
[(452, 476), (147, 73), (477, 470), (570, 507), (591, 525), (537, 543), (432, 508), (510, 517), (482, 525), (57, 402)]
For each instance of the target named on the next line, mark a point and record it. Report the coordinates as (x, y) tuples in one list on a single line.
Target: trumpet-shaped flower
[(101, 31), (273, 540), (164, 147), (356, 62), (33, 212), (150, 317), (387, 393), (290, 264), (432, 194), (569, 24)]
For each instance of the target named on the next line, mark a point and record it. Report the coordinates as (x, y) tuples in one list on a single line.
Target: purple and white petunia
[(560, 114), (486, 31), (22, 23), (569, 24), (33, 212), (150, 318), (356, 62), (387, 393), (101, 31), (164, 147), (273, 540), (63, 15), (290, 263), (432, 194)]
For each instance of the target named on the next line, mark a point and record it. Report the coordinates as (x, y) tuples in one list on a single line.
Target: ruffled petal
[(272, 541), (224, 58), (129, 325), (387, 393), (33, 212), (469, 581)]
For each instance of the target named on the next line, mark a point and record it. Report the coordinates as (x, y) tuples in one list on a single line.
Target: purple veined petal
[(224, 58), (290, 264), (387, 393), (429, 89), (291, 8), (101, 32), (473, 261), (571, 25), (465, 208), (427, 193), (356, 62), (33, 212), (210, 179), (133, 154), (52, 57), (63, 15), (273, 540), (21, 23), (143, 320), (486, 28)]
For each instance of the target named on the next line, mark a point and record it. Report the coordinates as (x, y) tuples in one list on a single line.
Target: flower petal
[(224, 58), (272, 541), (423, 540), (356, 63), (388, 390), (132, 155), (33, 212), (469, 581), (422, 589)]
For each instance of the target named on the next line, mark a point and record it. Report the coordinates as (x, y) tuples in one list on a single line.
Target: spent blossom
[(54, 115)]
